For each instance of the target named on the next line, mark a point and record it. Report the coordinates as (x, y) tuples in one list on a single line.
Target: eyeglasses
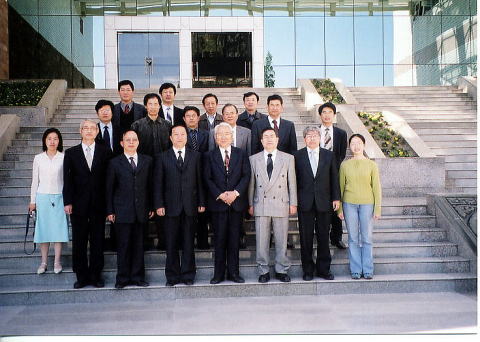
[(89, 128)]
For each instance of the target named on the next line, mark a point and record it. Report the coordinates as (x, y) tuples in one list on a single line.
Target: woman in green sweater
[(361, 197)]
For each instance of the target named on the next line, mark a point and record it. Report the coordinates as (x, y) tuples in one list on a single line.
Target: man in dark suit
[(285, 129), (318, 193), (179, 196), (168, 111), (246, 119), (227, 175), (84, 169), (338, 144), (129, 178), (198, 141), (127, 112), (211, 118)]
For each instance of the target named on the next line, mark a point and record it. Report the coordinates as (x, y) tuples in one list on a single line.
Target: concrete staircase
[(443, 116), (411, 253)]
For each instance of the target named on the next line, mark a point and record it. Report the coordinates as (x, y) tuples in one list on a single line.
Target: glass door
[(149, 59)]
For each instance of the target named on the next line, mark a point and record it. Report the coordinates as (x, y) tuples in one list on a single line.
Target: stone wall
[(3, 40)]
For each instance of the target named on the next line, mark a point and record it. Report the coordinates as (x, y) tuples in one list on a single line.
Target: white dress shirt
[(274, 155), (322, 135), (135, 158), (211, 118), (47, 176), (164, 107), (222, 151), (176, 152), (316, 153), (110, 132), (92, 149), (270, 119)]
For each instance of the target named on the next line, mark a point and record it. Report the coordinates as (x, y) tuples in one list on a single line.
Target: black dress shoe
[(283, 277), (328, 276), (188, 282), (264, 278), (216, 280), (290, 245), (98, 282), (307, 277), (339, 245), (79, 284), (120, 286), (203, 246), (141, 283), (243, 243), (236, 279), (170, 283)]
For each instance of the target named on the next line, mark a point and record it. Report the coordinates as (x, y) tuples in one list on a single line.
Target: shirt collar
[(270, 119), (102, 125), (92, 146), (176, 151), (135, 157), (266, 153)]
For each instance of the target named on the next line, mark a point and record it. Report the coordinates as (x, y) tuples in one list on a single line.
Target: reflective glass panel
[(55, 7), (284, 76), (451, 72), (427, 39), (344, 73), (310, 8), (310, 44), (24, 7), (278, 8), (367, 8), (279, 32), (124, 7), (369, 75), (216, 8), (309, 72), (456, 7), (339, 40), (398, 75), (368, 40), (428, 75), (339, 8), (82, 43), (397, 41), (56, 30), (401, 7), (243, 8)]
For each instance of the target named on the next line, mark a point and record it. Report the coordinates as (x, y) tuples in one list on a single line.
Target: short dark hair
[(209, 95), (130, 130), (174, 126), (187, 108), (125, 82), (151, 96), (356, 135), (327, 105), (167, 86), (268, 129), (230, 105), (274, 97), (59, 135), (102, 103), (250, 93)]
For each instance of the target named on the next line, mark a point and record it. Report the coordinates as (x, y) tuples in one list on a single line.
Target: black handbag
[(31, 217)]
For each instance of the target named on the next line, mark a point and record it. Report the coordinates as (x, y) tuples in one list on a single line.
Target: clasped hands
[(161, 211), (228, 197)]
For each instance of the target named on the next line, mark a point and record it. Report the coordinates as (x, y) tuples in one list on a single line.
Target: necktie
[(127, 109), (269, 165), (169, 117), (89, 157), (328, 140), (132, 162), (275, 126), (251, 118), (106, 137), (180, 159), (313, 162), (227, 160), (193, 135)]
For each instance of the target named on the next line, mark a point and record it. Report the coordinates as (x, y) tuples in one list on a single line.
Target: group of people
[(187, 172)]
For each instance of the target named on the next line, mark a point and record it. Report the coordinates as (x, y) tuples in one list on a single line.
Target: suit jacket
[(117, 137), (287, 136), (339, 145), (243, 140), (272, 197), (83, 188), (178, 188), (202, 140), (243, 119), (128, 193), (203, 122), (177, 115), (218, 180), (321, 189), (139, 112)]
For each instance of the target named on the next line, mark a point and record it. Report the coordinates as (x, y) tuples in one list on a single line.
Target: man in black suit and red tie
[(168, 111), (84, 171), (127, 112), (246, 119), (129, 205), (179, 197), (333, 139), (227, 175)]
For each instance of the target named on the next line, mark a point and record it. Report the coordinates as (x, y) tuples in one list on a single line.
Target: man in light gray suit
[(272, 196), (241, 135)]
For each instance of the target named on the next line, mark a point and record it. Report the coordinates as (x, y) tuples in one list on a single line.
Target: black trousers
[(180, 229), (130, 255), (336, 231), (314, 222), (202, 229), (87, 230), (159, 225), (226, 231)]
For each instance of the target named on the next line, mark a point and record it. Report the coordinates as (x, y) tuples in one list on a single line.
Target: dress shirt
[(176, 152), (274, 155), (322, 135), (135, 158), (222, 151), (123, 105), (47, 175), (164, 107), (211, 118), (92, 150), (110, 132), (316, 153), (270, 119)]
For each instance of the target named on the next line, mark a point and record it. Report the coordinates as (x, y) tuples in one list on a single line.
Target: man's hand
[(68, 209), (150, 214), (250, 210), (336, 205), (161, 211), (32, 207), (293, 209), (340, 216), (111, 218), (201, 209), (231, 197)]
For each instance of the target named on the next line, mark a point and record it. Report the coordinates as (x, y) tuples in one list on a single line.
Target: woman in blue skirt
[(46, 198)]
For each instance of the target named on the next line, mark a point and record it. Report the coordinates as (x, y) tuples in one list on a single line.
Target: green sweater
[(360, 183)]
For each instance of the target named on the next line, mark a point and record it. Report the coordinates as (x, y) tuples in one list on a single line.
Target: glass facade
[(364, 43)]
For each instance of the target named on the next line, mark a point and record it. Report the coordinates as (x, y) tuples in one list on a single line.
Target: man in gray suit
[(272, 196), (241, 135)]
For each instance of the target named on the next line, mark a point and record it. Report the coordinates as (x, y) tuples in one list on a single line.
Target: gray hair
[(223, 124), (85, 121), (309, 129)]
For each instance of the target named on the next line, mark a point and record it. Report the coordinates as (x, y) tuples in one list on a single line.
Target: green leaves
[(328, 90), (22, 93)]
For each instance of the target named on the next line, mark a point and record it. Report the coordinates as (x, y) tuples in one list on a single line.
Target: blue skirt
[(51, 224)]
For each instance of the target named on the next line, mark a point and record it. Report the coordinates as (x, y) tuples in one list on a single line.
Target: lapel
[(277, 166), (321, 161), (217, 157), (126, 162), (234, 158), (306, 162), (140, 163), (262, 167), (96, 156), (81, 156), (188, 157), (240, 136), (282, 130)]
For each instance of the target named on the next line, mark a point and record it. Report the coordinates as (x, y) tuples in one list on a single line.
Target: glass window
[(368, 40), (457, 7), (339, 8), (216, 8), (398, 75), (244, 8), (56, 30), (284, 76), (344, 73), (278, 8), (310, 8), (368, 8), (427, 39), (339, 40), (399, 7), (156, 8), (473, 7), (451, 72), (368, 75), (428, 75), (55, 7), (190, 8), (23, 7), (310, 43), (397, 39), (309, 72), (455, 39), (82, 43), (279, 33), (124, 7)]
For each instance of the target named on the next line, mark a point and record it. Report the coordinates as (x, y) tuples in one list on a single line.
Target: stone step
[(425, 120), (412, 97), (442, 151), (450, 104), (461, 158), (441, 125), (17, 200), (343, 284), (466, 182), (461, 166), (434, 112), (445, 130), (459, 143), (450, 137), (462, 174)]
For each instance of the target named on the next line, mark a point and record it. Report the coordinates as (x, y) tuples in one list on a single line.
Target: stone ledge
[(9, 127)]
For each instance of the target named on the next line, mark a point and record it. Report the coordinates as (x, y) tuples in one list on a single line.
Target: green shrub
[(328, 91), (22, 93)]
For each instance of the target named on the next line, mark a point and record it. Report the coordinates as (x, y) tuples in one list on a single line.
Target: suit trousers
[(280, 233), (202, 230), (226, 233), (177, 270), (336, 231), (130, 255), (319, 222), (159, 225), (87, 230)]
